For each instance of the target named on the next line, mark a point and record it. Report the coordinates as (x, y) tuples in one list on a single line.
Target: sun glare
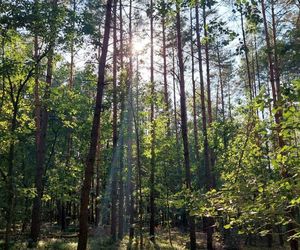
[(139, 45)]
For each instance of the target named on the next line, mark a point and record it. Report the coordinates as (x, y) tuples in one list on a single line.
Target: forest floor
[(99, 240)]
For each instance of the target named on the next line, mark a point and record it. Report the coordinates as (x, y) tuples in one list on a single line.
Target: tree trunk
[(130, 204), (97, 205), (63, 216), (88, 174), (42, 124), (113, 229), (207, 162), (42, 120), (10, 176), (206, 48), (222, 95), (195, 120), (174, 100), (246, 53), (152, 163), (164, 54), (271, 71), (276, 94), (121, 187), (69, 131), (276, 63), (139, 165), (121, 190), (203, 107), (184, 123)]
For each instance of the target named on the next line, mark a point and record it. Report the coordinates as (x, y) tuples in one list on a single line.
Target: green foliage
[(253, 195)]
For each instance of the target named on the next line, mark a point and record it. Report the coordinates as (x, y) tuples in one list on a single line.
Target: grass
[(99, 240)]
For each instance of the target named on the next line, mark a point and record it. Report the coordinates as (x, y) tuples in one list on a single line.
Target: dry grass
[(99, 239)]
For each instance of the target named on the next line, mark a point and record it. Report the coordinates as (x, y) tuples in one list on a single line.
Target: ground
[(53, 239)]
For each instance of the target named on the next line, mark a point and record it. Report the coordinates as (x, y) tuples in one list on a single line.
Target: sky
[(141, 48)]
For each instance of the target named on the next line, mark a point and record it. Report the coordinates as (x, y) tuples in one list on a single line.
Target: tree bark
[(276, 94), (113, 229), (195, 120), (10, 175), (42, 121), (164, 54), (246, 53), (152, 162), (207, 166), (139, 164), (121, 188), (206, 48), (222, 95), (184, 129), (130, 186), (88, 174), (98, 163), (207, 163)]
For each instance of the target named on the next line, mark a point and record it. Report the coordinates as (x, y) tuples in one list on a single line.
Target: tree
[(152, 120), (184, 128), (83, 224), (91, 133)]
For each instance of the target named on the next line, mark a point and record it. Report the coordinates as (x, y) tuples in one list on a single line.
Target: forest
[(149, 124)]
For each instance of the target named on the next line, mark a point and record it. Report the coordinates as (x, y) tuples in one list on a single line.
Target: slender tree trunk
[(174, 100), (217, 100), (184, 124), (222, 95), (246, 53), (209, 103), (121, 188), (195, 121), (139, 164), (97, 208), (88, 175), (254, 86), (177, 160), (130, 205), (42, 120), (276, 94), (152, 163), (2, 35), (257, 64), (98, 164), (278, 114), (168, 204), (207, 163), (72, 49), (42, 124), (166, 92), (113, 229), (121, 172), (69, 132), (206, 48), (10, 175), (92, 202), (221, 84), (203, 107), (270, 60), (166, 100), (63, 216), (276, 63)]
